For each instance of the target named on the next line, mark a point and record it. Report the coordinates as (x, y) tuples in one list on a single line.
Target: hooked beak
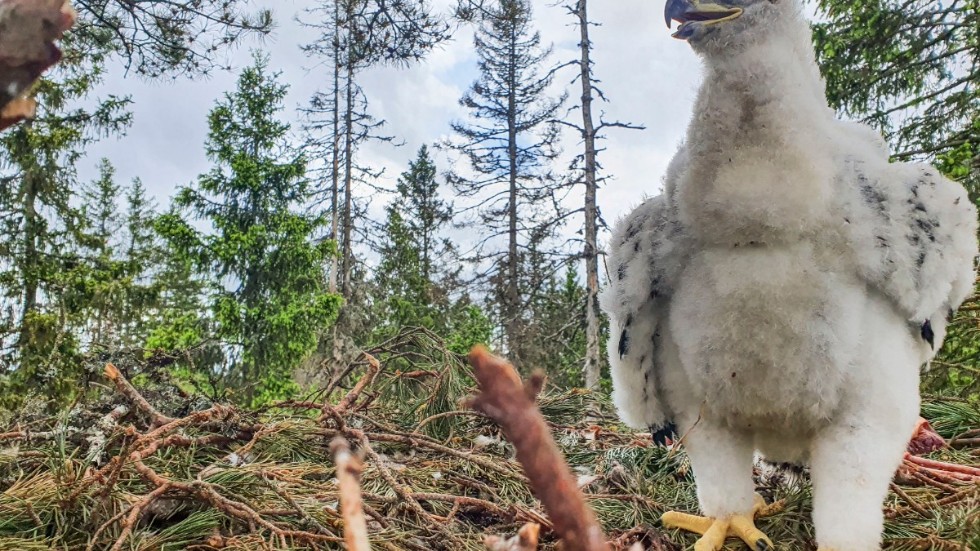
[(706, 13)]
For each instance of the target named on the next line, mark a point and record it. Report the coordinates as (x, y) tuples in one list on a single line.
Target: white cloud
[(649, 78)]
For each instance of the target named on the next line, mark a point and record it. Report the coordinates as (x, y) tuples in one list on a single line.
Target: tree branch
[(511, 404)]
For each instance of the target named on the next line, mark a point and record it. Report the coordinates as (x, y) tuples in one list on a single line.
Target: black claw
[(761, 545), (662, 434)]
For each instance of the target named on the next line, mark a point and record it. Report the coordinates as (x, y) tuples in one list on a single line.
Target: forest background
[(247, 193)]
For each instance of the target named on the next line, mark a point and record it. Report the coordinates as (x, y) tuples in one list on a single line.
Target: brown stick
[(349, 473), (511, 405), (374, 367), (28, 29), (911, 502), (134, 515), (525, 540), (126, 389), (949, 468)]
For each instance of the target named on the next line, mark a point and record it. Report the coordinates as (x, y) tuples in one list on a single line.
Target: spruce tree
[(143, 255), (261, 256), (106, 276), (44, 277), (509, 142), (418, 193), (166, 39), (415, 281), (46, 257), (355, 35)]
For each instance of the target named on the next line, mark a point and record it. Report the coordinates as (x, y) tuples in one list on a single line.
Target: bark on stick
[(351, 506), (511, 404)]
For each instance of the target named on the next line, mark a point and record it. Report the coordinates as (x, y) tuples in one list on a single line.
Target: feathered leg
[(722, 462), (851, 467)]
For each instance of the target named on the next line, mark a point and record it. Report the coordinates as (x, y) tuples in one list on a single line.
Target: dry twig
[(511, 404), (349, 474), (126, 389)]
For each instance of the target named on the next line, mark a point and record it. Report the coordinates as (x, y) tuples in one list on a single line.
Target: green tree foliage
[(260, 254), (142, 253), (125, 267), (60, 278), (416, 283), (553, 317), (957, 369), (156, 39), (107, 278), (910, 68), (404, 297), (418, 193), (43, 274), (354, 35)]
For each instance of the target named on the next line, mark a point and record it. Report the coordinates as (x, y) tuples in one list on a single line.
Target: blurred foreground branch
[(28, 29), (511, 404), (349, 473)]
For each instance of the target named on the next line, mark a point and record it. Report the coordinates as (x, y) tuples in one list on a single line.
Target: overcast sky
[(649, 78)]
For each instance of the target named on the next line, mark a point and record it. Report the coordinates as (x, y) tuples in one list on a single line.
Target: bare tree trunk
[(335, 170), (347, 256), (512, 295), (592, 362)]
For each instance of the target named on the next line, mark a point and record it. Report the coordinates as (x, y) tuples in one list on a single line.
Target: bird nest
[(150, 469)]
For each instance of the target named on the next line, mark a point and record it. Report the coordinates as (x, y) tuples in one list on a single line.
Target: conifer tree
[(909, 68), (106, 276), (262, 258), (418, 192), (47, 278), (142, 254), (43, 279), (509, 142), (356, 35), (416, 276), (160, 39)]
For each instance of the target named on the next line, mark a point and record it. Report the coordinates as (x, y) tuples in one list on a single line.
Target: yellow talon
[(684, 521), (714, 538), (715, 531), (744, 529)]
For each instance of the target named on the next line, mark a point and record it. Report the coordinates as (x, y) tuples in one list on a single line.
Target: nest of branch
[(149, 470)]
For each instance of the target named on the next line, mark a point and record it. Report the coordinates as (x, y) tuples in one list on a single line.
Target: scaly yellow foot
[(715, 531)]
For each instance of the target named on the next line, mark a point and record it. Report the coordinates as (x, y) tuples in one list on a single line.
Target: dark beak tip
[(674, 9)]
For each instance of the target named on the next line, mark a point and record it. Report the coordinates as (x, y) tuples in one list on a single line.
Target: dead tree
[(588, 163)]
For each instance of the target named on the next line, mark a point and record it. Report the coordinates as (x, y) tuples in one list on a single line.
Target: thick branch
[(126, 389), (511, 404)]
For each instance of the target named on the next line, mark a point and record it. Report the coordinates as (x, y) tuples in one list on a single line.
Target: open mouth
[(691, 12)]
